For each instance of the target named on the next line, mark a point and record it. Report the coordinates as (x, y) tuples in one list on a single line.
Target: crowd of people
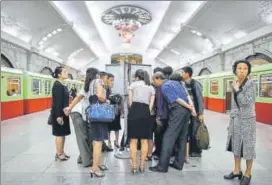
[(164, 114)]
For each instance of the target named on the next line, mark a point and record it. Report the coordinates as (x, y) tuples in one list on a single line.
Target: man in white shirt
[(83, 130)]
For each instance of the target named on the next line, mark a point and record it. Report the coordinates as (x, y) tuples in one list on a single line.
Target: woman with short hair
[(242, 127)]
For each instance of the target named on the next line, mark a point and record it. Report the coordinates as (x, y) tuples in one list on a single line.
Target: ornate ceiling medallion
[(126, 19)]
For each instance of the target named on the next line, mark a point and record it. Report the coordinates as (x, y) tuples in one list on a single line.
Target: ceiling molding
[(70, 24), (17, 42), (187, 22)]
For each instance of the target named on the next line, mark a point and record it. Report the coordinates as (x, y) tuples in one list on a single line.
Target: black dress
[(60, 100)]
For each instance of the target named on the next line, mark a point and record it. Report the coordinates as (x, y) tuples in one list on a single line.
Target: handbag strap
[(236, 93), (93, 91)]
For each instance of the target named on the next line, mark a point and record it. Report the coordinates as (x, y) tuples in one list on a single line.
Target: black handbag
[(50, 119)]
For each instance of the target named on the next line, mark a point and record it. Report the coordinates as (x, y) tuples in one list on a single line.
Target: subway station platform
[(27, 158)]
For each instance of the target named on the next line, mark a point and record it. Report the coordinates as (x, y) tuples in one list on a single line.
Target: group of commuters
[(170, 107), (90, 136), (163, 108)]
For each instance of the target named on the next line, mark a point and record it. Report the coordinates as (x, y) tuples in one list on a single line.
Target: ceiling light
[(207, 40), (268, 19), (49, 50), (56, 54), (175, 29), (199, 34), (239, 34), (25, 38), (193, 31), (226, 41), (161, 60), (44, 39), (59, 29), (75, 53), (10, 31), (49, 35), (175, 51), (126, 22), (41, 42), (54, 32)]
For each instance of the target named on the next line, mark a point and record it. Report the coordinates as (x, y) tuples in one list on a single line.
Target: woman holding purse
[(95, 92)]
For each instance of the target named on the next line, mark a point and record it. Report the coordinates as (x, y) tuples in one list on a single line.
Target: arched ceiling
[(180, 31)]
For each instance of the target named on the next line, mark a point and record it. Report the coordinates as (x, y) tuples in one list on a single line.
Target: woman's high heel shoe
[(141, 169), (58, 157), (133, 170), (116, 144), (148, 158), (66, 156), (232, 176), (245, 180), (96, 174)]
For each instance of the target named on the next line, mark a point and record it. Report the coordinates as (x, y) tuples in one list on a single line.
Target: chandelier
[(126, 19)]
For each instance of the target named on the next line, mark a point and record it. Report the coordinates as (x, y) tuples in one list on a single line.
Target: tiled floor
[(27, 158)]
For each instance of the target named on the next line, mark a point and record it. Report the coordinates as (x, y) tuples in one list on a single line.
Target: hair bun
[(53, 75)]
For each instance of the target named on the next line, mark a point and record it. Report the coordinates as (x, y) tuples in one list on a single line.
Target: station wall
[(224, 60), (24, 59)]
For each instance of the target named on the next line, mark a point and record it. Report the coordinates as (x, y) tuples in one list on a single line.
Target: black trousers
[(193, 126), (176, 133), (84, 139), (159, 132)]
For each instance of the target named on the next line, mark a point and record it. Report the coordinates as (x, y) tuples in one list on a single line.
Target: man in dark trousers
[(194, 88), (176, 132), (161, 108)]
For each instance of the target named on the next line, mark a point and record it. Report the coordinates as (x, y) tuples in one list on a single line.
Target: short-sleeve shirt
[(172, 90), (93, 87), (81, 106), (141, 92)]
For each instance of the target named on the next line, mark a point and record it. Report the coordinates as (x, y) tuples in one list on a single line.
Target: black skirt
[(139, 121), (61, 130), (115, 125)]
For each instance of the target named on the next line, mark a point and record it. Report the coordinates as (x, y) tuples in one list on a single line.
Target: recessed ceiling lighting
[(207, 40), (49, 35), (41, 42), (267, 19), (59, 29), (49, 50), (199, 34), (239, 34), (226, 41), (56, 54), (175, 51), (54, 32), (44, 39)]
